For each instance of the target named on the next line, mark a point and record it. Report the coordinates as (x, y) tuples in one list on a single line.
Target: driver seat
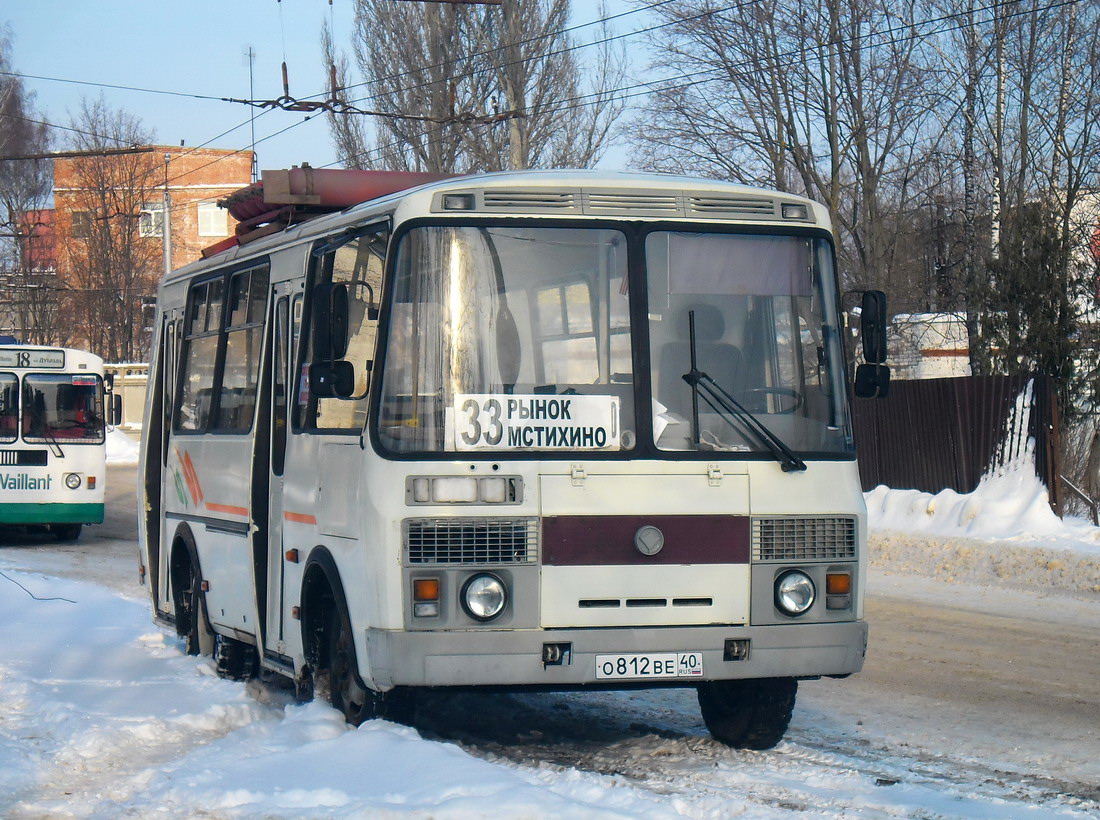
[(721, 361)]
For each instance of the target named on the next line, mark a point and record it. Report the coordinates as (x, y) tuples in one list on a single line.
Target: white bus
[(52, 438), (540, 429)]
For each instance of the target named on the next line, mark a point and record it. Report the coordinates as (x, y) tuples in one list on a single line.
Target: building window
[(82, 224), (151, 219), (213, 221)]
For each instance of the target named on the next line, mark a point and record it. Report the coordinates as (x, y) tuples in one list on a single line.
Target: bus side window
[(200, 333), (359, 264), (246, 311)]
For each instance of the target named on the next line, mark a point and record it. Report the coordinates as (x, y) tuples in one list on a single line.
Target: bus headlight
[(484, 596), (794, 592), (72, 481)]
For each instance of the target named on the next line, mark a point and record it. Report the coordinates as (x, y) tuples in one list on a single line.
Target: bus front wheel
[(748, 714), (66, 532), (191, 621), (347, 693)]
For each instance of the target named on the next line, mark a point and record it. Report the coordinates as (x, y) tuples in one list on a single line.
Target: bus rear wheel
[(748, 714), (233, 659), (66, 532)]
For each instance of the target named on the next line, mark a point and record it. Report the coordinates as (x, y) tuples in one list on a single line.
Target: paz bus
[(52, 438), (559, 430)]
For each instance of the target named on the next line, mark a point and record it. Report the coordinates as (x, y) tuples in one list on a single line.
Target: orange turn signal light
[(426, 589), (838, 583)]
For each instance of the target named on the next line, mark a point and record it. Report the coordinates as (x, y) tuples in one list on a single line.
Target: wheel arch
[(184, 553), (322, 589)]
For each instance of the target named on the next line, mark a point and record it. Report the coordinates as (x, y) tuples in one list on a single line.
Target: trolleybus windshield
[(63, 407)]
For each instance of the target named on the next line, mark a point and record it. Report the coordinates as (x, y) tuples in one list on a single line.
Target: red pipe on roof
[(320, 189)]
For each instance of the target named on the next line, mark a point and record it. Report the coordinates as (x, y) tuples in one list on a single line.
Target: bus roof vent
[(716, 205), (651, 203), (530, 200)]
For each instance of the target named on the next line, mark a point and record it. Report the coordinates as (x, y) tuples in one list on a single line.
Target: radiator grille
[(803, 539), (471, 540), (23, 458)]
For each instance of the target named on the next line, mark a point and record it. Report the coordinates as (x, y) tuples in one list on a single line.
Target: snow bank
[(104, 717), (1003, 533), (121, 449), (1009, 504)]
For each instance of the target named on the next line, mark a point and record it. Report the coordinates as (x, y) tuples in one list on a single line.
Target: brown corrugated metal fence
[(935, 434)]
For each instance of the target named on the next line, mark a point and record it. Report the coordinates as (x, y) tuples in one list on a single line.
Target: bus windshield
[(63, 408), (521, 338), (765, 333)]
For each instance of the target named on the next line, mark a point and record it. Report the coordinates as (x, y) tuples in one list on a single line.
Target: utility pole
[(166, 222), (251, 57)]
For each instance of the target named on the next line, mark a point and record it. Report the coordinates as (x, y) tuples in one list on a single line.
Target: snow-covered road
[(975, 703)]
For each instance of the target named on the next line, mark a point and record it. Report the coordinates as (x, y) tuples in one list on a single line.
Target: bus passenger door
[(161, 484), (276, 463)]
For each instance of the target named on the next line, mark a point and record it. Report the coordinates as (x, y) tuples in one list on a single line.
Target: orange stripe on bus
[(226, 508), (300, 518)]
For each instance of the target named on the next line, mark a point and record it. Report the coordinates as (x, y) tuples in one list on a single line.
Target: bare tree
[(111, 268), (829, 100), (29, 282), (525, 63), (442, 72)]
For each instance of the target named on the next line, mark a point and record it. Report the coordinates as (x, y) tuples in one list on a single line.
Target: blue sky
[(195, 47)]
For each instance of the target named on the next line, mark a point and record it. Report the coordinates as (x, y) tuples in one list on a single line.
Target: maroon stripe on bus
[(591, 540)]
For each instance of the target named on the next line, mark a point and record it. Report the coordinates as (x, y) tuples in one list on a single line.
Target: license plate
[(653, 665)]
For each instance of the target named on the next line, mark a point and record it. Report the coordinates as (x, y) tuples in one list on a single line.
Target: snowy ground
[(103, 716)]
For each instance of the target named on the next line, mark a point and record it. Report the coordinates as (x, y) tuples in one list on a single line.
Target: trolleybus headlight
[(794, 592), (72, 481), (484, 596)]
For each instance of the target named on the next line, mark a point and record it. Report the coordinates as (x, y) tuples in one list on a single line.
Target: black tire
[(191, 619), (748, 714), (66, 532), (233, 659), (347, 692)]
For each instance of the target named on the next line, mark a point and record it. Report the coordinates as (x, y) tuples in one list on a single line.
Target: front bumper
[(31, 513), (514, 658)]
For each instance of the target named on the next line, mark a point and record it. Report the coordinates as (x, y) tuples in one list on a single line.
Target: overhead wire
[(639, 89), (688, 79), (601, 20)]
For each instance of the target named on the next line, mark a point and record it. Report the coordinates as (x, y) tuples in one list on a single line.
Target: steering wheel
[(793, 396)]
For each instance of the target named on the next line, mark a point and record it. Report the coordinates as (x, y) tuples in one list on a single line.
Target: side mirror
[(872, 381), (330, 321), (872, 322), (332, 380), (116, 410)]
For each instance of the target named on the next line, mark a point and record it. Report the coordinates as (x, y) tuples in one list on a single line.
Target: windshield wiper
[(725, 405), (49, 438)]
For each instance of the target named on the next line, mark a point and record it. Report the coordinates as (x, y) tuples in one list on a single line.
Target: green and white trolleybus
[(52, 438), (538, 429)]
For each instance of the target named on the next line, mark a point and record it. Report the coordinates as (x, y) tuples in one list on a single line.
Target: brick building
[(196, 177), (109, 224)]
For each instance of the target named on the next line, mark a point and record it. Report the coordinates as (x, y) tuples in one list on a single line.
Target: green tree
[(1031, 322)]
